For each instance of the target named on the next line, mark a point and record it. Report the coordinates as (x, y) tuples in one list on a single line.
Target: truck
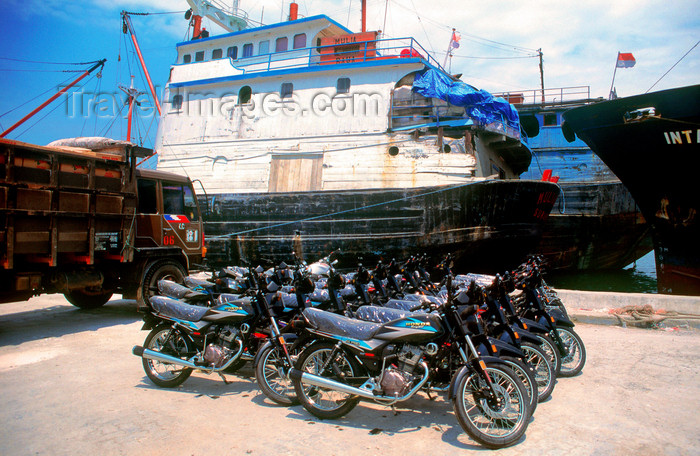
[(86, 222)]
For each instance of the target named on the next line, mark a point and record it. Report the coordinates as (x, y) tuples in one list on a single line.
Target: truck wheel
[(87, 299), (164, 269)]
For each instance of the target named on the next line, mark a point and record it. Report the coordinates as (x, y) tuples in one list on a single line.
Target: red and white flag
[(625, 60), (454, 42)]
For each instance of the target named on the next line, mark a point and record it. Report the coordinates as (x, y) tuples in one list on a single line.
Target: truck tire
[(159, 270), (87, 299)]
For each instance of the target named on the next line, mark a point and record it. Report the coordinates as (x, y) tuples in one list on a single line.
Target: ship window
[(177, 102), (300, 41), (199, 56), (247, 50), (549, 119), (343, 85), (244, 95), (148, 198), (186, 58), (217, 54), (286, 90), (281, 44), (264, 47), (232, 52)]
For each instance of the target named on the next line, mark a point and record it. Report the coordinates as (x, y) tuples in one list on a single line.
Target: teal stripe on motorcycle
[(347, 340), (189, 324)]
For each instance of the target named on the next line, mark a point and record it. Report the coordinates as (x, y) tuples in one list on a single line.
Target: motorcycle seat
[(341, 325), (177, 309), (401, 304), (176, 291), (380, 314), (193, 282)]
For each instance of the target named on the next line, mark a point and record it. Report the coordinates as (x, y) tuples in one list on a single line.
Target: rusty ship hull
[(487, 226)]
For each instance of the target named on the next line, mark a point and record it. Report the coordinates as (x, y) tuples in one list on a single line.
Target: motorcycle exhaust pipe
[(163, 358), (157, 356), (322, 382)]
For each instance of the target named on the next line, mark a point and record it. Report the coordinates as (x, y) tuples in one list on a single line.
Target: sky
[(498, 50)]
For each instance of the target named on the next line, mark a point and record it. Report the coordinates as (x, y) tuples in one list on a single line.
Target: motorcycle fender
[(288, 338), (560, 319), (506, 349), (534, 326), (150, 321), (527, 336), (466, 370)]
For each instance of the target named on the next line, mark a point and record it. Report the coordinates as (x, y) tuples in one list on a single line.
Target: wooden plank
[(304, 182)]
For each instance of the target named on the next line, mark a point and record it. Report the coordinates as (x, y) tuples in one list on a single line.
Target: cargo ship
[(652, 143), (309, 137), (595, 223)]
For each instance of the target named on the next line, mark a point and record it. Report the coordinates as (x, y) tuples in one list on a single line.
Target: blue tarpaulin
[(480, 105)]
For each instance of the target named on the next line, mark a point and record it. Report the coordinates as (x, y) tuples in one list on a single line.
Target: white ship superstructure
[(307, 105)]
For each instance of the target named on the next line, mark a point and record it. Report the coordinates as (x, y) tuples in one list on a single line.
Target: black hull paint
[(487, 226), (594, 226), (657, 157)]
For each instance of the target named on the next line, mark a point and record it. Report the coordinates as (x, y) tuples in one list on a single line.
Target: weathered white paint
[(228, 144)]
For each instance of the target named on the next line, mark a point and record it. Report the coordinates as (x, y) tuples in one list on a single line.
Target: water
[(634, 278)]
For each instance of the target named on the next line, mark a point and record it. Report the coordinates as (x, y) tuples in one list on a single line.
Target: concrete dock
[(644, 310), (70, 385)]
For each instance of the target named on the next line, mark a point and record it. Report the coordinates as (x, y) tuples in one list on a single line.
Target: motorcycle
[(388, 363), (533, 305), (215, 339)]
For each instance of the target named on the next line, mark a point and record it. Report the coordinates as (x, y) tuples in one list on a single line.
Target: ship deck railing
[(559, 96), (357, 52)]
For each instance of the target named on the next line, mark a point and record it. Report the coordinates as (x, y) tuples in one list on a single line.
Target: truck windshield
[(179, 199)]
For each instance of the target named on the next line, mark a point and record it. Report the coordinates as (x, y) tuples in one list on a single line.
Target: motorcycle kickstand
[(224, 378)]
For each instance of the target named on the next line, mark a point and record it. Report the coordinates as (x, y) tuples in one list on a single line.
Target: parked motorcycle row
[(494, 344)]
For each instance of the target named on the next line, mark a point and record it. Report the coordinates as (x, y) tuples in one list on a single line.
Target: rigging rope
[(37, 96), (674, 65), (65, 100), (317, 217), (131, 13), (50, 63)]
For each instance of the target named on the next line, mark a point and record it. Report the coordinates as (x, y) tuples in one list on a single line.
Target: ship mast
[(539, 51), (129, 28)]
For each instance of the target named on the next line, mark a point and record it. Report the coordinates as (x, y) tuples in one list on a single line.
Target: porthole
[(393, 151), (244, 95)]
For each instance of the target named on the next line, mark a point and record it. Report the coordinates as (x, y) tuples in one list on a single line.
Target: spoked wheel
[(323, 359), (526, 374), (544, 372), (271, 373), (552, 352), (575, 358), (495, 422), (161, 340)]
